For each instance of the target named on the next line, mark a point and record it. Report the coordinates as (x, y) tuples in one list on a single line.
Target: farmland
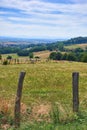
[(46, 84), (83, 46), (41, 54)]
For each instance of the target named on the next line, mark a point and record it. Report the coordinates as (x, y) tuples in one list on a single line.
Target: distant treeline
[(77, 40), (24, 50), (8, 50)]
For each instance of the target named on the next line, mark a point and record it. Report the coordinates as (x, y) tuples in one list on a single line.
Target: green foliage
[(8, 50), (31, 55), (37, 57), (78, 50), (0, 56), (84, 57), (71, 57), (9, 57), (58, 56), (38, 48), (5, 62), (53, 55), (55, 46), (55, 117), (61, 46), (64, 56), (77, 40), (86, 49), (23, 53)]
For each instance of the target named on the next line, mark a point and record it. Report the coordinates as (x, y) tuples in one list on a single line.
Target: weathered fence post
[(75, 88), (18, 100)]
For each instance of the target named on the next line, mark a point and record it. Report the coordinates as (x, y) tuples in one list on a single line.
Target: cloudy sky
[(43, 18)]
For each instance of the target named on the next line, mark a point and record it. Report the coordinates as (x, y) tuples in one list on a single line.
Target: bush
[(0, 56), (58, 56), (5, 62), (31, 55), (37, 57), (71, 57), (64, 56), (84, 58), (53, 56), (9, 57)]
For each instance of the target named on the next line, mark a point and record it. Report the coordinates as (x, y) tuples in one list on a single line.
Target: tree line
[(77, 40), (70, 56)]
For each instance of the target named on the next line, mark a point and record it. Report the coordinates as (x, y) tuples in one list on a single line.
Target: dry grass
[(6, 106), (76, 46), (42, 54), (40, 112)]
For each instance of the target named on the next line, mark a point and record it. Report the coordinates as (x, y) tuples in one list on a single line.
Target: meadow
[(83, 46), (46, 97)]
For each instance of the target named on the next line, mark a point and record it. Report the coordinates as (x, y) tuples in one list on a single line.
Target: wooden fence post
[(18, 100), (75, 88)]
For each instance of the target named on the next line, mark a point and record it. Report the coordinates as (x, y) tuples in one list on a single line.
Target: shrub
[(0, 56), (58, 56), (31, 55), (5, 62), (9, 57), (64, 56), (53, 56), (84, 58), (71, 57)]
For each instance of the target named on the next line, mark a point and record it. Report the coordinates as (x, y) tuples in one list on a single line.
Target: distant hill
[(13, 40), (77, 40), (23, 46)]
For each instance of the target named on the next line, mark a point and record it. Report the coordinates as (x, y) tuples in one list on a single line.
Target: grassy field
[(47, 95), (14, 55), (41, 54), (83, 46)]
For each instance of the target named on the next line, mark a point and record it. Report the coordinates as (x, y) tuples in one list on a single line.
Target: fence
[(75, 96)]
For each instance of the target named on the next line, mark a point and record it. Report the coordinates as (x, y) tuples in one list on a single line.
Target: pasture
[(47, 85), (83, 46), (41, 54)]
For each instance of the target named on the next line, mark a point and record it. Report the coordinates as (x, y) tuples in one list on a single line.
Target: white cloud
[(43, 20), (79, 1)]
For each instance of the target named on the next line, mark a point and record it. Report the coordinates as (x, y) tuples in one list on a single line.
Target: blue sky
[(43, 18)]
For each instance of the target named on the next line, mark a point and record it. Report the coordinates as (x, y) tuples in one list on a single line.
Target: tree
[(52, 55), (58, 56), (84, 57), (31, 55), (61, 46), (78, 50), (9, 57), (71, 57), (37, 57), (86, 49), (23, 53), (5, 62), (0, 56), (64, 56)]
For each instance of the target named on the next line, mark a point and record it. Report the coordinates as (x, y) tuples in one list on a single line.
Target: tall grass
[(45, 83)]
